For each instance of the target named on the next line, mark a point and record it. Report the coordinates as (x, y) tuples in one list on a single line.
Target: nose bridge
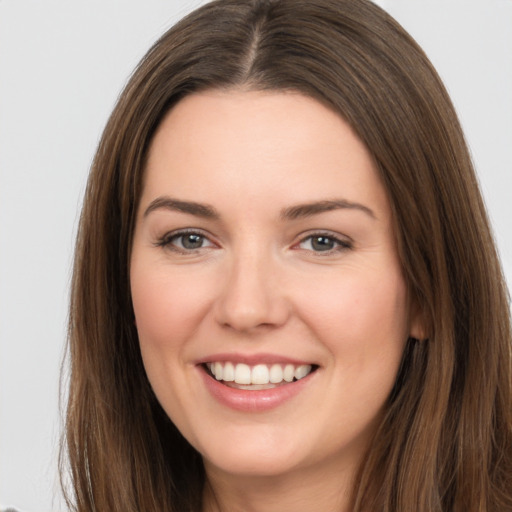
[(250, 295)]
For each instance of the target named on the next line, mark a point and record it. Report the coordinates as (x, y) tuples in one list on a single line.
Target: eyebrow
[(314, 208), (190, 207), (290, 213)]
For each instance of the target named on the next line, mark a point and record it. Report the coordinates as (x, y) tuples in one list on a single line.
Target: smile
[(256, 385), (259, 376)]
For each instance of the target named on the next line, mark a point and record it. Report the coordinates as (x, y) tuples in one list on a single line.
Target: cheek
[(379, 308), (360, 317), (167, 307)]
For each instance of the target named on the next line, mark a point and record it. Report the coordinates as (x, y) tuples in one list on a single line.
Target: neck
[(328, 490)]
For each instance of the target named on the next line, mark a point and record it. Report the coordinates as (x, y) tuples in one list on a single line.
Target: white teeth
[(229, 372), (276, 374), (259, 374), (302, 370), (217, 371), (242, 374), (289, 372)]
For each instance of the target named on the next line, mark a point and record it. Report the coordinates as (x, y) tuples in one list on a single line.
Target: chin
[(262, 452), (252, 463)]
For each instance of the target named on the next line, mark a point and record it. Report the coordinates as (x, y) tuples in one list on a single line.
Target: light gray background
[(62, 65)]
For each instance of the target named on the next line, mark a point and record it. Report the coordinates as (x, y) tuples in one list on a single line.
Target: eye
[(185, 241), (323, 242)]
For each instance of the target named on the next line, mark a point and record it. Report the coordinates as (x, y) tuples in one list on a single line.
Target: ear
[(417, 323)]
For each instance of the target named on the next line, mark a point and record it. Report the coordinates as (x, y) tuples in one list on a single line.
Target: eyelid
[(165, 241), (343, 242)]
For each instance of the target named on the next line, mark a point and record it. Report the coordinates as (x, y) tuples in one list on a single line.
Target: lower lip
[(253, 400)]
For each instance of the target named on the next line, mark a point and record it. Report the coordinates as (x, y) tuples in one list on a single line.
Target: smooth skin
[(259, 272)]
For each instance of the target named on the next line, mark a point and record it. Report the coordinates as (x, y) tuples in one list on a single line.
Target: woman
[(285, 293)]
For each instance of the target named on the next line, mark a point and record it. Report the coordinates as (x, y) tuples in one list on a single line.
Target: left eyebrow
[(309, 209)]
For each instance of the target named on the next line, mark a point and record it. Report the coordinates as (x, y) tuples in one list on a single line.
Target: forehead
[(259, 146)]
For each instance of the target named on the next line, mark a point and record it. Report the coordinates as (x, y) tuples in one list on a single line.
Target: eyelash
[(340, 245), (167, 242)]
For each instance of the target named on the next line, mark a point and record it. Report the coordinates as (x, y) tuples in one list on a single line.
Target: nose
[(252, 296)]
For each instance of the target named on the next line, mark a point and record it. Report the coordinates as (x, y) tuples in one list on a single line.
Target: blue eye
[(191, 241), (185, 241), (323, 243)]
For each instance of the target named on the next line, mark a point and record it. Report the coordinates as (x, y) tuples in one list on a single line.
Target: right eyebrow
[(168, 203)]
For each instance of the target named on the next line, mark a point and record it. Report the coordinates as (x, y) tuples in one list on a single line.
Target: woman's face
[(264, 252)]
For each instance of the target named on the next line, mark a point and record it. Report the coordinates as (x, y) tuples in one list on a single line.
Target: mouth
[(257, 377)]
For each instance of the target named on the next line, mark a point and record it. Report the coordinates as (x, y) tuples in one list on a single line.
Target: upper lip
[(252, 359)]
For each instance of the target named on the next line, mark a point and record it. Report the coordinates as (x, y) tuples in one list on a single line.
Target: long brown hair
[(445, 444)]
